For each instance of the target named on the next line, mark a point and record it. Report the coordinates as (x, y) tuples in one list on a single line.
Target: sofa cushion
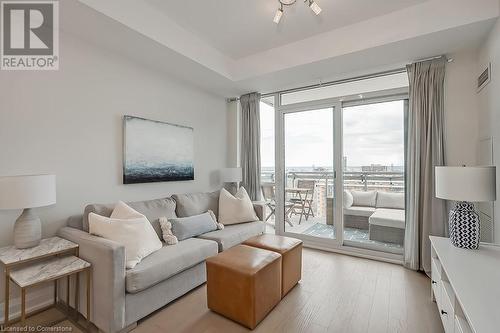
[(234, 234), (390, 200), (139, 240), (167, 262), (364, 198), (359, 211), (152, 209), (393, 218), (192, 226), (196, 203), (235, 209)]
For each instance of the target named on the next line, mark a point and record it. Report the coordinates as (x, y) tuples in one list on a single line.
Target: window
[(386, 82)]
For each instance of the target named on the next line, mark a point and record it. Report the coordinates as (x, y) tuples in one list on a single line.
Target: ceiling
[(231, 47), (240, 28)]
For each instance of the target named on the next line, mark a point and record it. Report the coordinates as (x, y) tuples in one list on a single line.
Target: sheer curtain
[(426, 215), (250, 144)]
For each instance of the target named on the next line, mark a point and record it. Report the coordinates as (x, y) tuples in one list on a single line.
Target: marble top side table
[(54, 258)]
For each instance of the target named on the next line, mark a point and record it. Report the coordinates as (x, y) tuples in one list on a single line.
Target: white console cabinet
[(466, 286)]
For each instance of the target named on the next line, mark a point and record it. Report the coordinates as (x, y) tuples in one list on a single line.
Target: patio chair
[(269, 194), (304, 206)]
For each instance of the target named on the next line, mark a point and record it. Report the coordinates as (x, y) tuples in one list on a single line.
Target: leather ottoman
[(291, 252), (244, 284)]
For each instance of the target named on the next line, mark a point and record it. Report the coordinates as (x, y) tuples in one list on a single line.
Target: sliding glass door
[(309, 169), (306, 167), (337, 177)]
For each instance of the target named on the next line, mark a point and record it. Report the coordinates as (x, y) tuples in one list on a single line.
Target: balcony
[(320, 221)]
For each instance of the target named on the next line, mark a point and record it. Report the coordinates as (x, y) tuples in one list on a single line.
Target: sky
[(373, 134)]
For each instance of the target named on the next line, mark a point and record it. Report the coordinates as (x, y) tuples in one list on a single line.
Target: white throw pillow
[(391, 200), (348, 199), (129, 228), (237, 208), (364, 198)]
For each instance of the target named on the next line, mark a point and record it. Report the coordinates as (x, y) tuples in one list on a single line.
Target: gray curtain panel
[(250, 144), (426, 215)]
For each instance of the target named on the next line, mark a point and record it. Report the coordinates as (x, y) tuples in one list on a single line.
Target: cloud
[(373, 134)]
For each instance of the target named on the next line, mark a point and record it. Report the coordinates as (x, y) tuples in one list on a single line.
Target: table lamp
[(232, 175), (465, 185), (27, 192)]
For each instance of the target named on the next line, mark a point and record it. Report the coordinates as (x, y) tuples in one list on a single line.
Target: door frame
[(337, 103)]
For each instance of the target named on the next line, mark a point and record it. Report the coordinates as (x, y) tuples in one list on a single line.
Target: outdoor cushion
[(359, 211), (393, 218), (364, 198), (234, 234), (152, 209), (168, 261), (390, 200), (348, 199), (196, 203)]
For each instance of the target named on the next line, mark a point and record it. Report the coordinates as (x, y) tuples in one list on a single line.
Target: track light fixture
[(279, 13)]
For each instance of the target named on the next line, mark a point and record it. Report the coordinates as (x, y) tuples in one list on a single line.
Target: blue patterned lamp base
[(464, 226)]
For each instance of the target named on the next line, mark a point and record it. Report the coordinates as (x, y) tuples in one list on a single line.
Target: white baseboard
[(35, 300)]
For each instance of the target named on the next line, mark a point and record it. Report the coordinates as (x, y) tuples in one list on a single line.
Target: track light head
[(278, 15), (314, 7)]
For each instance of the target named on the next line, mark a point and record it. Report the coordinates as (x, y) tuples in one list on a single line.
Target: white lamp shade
[(231, 175), (19, 192), (473, 184)]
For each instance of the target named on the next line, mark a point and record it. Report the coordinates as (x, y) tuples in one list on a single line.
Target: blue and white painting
[(155, 151)]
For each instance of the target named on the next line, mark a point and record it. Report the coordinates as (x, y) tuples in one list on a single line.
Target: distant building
[(374, 168)]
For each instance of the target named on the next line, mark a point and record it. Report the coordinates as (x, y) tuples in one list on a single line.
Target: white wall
[(489, 106), (69, 122), (461, 116)]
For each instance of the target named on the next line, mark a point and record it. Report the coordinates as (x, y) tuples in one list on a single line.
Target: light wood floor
[(338, 293)]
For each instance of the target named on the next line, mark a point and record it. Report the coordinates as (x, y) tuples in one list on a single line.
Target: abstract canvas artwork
[(156, 151)]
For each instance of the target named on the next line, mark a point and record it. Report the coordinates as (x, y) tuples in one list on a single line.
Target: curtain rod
[(347, 80), (329, 83)]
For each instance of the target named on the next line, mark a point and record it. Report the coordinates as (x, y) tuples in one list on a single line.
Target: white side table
[(53, 259)]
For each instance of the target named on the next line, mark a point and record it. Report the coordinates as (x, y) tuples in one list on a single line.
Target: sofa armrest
[(260, 209), (108, 277)]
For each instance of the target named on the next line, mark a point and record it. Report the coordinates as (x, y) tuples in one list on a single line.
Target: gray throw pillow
[(192, 226)]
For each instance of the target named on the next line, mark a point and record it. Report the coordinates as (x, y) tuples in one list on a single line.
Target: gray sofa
[(381, 212), (120, 297)]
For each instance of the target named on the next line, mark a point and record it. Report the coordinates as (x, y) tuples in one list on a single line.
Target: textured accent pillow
[(348, 199), (237, 208), (390, 200), (129, 228), (166, 229), (364, 198), (186, 227)]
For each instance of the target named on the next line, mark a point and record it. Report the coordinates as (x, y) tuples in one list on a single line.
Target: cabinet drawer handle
[(433, 282), (444, 312)]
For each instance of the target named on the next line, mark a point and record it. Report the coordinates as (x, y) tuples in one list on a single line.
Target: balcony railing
[(391, 181), (388, 181)]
